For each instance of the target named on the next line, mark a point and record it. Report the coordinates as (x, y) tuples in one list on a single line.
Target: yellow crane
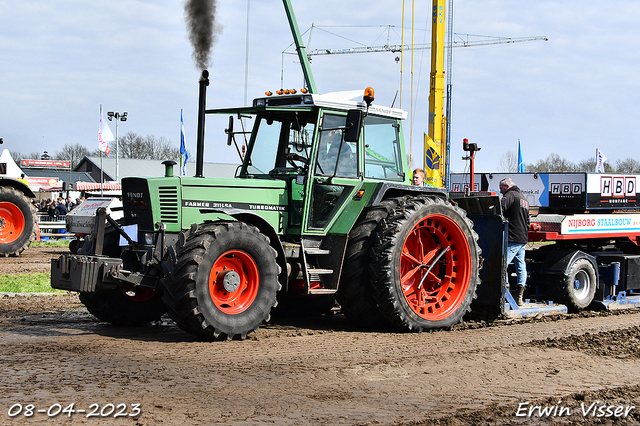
[(434, 143)]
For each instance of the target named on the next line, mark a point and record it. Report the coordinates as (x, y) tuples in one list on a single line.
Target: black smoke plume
[(203, 29)]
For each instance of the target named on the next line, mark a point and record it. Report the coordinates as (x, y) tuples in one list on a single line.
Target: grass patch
[(27, 283), (50, 243)]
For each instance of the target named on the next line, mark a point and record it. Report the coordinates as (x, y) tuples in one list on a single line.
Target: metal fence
[(55, 227)]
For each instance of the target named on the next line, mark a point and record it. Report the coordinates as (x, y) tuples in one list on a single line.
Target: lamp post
[(118, 117)]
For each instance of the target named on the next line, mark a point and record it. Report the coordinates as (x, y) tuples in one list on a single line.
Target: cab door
[(335, 176)]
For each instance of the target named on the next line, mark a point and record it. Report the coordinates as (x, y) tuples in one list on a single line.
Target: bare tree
[(508, 162), (628, 165), (72, 153), (165, 150), (588, 165), (148, 147), (17, 156), (553, 163)]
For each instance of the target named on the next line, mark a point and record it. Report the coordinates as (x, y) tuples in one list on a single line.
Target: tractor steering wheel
[(293, 157)]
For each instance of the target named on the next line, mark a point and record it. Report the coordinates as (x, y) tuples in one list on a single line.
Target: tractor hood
[(178, 202)]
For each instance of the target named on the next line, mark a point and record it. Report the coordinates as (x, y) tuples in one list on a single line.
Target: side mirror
[(353, 125), (229, 131)]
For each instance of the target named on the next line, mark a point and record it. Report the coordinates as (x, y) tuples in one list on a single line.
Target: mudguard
[(560, 261)]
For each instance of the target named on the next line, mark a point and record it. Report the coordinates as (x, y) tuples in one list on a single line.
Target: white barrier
[(52, 226)]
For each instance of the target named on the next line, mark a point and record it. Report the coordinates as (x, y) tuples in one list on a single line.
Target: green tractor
[(320, 210)]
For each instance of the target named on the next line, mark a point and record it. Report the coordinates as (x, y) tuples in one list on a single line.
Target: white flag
[(104, 134), (600, 160)]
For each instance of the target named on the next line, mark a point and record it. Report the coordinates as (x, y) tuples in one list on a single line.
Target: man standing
[(69, 204), (61, 208), (515, 209)]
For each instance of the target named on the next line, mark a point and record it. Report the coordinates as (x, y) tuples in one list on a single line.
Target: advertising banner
[(562, 191), (600, 224), (612, 191), (45, 163)]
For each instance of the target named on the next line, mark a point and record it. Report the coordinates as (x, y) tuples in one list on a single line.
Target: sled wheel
[(125, 306), (221, 280), (355, 293), (17, 222), (578, 288), (428, 262)]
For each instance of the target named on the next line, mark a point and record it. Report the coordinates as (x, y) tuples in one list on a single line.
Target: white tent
[(13, 171)]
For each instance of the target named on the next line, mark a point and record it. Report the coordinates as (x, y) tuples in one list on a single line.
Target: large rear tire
[(221, 280), (125, 306), (17, 222), (578, 288), (426, 264), (355, 293)]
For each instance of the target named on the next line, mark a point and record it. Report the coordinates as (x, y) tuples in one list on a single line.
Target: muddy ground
[(32, 260), (578, 369)]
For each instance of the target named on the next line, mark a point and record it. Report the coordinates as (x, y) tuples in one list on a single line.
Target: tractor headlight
[(149, 238)]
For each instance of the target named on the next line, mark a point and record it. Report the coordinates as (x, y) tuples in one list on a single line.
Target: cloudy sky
[(574, 93)]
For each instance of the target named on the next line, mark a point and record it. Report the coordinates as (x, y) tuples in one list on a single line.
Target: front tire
[(125, 306), (426, 265), (221, 280)]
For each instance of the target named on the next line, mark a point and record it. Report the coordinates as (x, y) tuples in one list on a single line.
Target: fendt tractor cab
[(321, 208)]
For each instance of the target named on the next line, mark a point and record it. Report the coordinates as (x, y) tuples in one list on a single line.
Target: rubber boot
[(519, 294)]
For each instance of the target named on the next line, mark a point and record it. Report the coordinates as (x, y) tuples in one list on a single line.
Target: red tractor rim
[(12, 222), (234, 282), (436, 242)]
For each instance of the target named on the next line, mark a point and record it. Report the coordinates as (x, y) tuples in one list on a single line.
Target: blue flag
[(184, 155), (520, 162)]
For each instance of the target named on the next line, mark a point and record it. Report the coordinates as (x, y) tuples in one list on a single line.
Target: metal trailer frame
[(494, 299)]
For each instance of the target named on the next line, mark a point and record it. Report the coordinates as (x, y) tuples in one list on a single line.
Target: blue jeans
[(515, 252)]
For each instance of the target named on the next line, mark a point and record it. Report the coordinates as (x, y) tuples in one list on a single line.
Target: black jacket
[(515, 209)]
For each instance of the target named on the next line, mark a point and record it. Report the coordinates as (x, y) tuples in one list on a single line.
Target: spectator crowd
[(56, 207)]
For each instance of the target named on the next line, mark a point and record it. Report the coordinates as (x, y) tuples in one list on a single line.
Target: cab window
[(336, 157), (280, 143), (382, 159)]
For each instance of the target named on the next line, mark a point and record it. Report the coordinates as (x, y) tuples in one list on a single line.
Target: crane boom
[(399, 47), (300, 48)]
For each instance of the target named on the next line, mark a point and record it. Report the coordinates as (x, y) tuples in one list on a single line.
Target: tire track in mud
[(350, 345)]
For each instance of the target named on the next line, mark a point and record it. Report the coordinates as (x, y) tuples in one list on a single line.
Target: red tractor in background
[(18, 226)]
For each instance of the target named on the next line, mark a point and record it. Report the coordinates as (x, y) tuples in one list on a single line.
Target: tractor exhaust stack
[(202, 104)]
